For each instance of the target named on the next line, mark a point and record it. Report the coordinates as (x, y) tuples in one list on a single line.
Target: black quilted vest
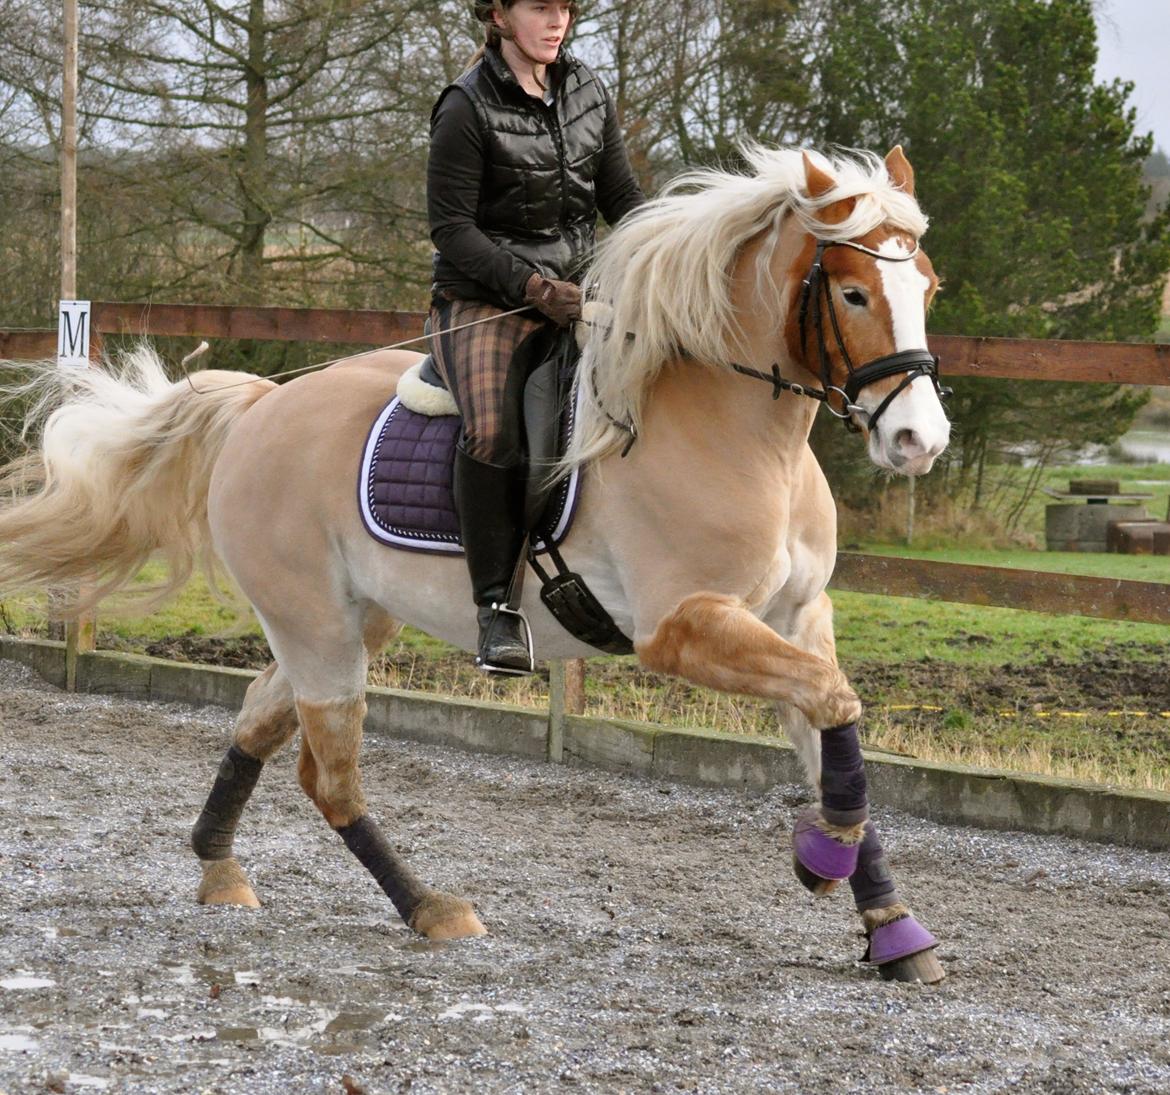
[(537, 199)]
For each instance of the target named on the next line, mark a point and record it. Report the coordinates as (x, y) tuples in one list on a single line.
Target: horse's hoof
[(822, 857), (903, 950), (819, 887), (441, 916), (923, 967), (224, 883)]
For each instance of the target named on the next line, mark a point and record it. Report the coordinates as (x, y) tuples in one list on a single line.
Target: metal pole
[(80, 632)]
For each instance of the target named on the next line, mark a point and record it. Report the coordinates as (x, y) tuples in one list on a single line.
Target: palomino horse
[(710, 542)]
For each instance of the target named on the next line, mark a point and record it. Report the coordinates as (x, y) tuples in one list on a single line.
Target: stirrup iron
[(503, 670)]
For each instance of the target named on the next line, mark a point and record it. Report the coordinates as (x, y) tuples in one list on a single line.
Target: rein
[(333, 361)]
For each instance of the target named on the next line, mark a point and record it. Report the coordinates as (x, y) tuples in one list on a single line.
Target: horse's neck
[(720, 412)]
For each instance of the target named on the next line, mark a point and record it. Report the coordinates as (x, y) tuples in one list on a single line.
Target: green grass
[(925, 669)]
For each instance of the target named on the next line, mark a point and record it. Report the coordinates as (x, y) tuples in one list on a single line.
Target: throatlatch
[(212, 836)]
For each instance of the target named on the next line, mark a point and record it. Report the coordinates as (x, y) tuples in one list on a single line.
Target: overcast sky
[(1133, 38)]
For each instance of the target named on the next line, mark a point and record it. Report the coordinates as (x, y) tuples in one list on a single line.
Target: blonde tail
[(121, 472)]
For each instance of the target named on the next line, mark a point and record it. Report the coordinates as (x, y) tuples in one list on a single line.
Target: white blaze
[(913, 430)]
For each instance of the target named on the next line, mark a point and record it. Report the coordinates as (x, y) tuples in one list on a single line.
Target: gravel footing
[(643, 936)]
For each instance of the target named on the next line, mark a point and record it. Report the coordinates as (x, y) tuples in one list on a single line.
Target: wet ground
[(644, 937)]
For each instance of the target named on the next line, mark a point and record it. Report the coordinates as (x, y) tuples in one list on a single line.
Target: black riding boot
[(488, 499)]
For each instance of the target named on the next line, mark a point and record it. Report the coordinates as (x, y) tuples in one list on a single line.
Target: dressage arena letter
[(73, 334)]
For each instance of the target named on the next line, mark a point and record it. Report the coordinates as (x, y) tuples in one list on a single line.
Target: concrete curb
[(948, 793)]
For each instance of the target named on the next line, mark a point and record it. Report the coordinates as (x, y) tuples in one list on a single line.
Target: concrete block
[(607, 743), (724, 760), (483, 727), (199, 684), (1009, 800), (45, 657), (114, 674)]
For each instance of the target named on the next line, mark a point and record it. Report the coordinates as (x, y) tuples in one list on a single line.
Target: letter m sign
[(73, 334)]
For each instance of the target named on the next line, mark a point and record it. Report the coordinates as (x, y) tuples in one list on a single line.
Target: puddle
[(354, 1020), (51, 932), (24, 980), (237, 1034), (479, 1013), (18, 1043)]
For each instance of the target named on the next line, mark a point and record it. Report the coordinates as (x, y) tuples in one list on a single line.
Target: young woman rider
[(525, 152)]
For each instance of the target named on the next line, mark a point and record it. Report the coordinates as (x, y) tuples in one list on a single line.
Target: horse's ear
[(900, 171), (817, 182)]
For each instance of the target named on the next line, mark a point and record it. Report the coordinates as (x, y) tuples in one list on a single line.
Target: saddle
[(405, 482)]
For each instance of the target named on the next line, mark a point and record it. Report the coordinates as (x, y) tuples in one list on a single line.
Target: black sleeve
[(618, 192), (454, 177)]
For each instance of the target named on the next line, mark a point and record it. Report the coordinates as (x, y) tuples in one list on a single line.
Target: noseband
[(909, 364)]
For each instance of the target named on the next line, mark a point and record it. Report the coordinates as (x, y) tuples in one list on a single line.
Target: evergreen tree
[(1032, 176)]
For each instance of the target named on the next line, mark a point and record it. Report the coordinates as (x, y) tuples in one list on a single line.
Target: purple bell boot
[(873, 887), (820, 853), (898, 939)]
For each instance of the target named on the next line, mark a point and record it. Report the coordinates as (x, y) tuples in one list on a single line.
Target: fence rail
[(1000, 358)]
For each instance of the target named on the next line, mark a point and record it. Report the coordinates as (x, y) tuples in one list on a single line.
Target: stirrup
[(506, 670)]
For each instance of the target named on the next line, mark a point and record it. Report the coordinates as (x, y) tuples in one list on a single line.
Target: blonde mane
[(666, 272)]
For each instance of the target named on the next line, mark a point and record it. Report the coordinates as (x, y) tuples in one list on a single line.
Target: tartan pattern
[(474, 364)]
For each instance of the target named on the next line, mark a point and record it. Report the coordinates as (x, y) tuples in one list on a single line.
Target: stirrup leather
[(486, 667)]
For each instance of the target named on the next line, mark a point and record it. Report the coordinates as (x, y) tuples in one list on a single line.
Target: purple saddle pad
[(404, 485)]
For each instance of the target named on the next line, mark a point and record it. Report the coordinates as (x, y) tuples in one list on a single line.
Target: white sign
[(73, 334)]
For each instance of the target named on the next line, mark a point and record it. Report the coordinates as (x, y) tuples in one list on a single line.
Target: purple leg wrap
[(872, 883), (820, 853), (843, 798), (365, 840), (898, 939)]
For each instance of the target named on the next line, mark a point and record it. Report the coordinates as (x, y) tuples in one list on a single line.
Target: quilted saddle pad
[(404, 484)]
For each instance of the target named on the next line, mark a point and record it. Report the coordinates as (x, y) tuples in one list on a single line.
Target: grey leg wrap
[(365, 840), (213, 833), (843, 798), (872, 883)]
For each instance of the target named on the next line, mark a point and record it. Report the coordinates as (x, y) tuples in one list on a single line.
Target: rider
[(525, 151)]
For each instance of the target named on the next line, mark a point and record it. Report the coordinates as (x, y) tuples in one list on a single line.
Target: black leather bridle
[(910, 364)]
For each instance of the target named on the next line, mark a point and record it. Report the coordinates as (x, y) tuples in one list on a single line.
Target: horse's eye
[(854, 296)]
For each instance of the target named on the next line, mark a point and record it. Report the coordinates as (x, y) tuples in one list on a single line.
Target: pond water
[(1140, 446)]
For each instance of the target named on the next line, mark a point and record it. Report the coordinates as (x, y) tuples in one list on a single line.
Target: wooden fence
[(1004, 358)]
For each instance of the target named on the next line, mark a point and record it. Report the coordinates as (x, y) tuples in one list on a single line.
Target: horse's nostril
[(908, 442)]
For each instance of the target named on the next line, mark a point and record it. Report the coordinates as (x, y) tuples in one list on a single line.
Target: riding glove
[(559, 300)]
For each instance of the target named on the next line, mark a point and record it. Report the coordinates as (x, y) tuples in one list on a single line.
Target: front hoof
[(224, 883), (440, 916), (903, 950), (822, 860)]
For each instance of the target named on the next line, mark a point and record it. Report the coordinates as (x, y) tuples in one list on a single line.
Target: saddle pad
[(404, 484)]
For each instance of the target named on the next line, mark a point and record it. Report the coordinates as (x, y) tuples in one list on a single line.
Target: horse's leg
[(267, 720), (329, 774), (715, 641)]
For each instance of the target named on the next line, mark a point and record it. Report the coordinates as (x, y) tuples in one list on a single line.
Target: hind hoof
[(224, 883), (441, 916)]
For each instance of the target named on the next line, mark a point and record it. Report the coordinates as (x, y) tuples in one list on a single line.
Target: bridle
[(910, 364)]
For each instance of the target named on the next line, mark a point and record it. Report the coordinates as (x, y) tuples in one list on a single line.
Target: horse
[(738, 303)]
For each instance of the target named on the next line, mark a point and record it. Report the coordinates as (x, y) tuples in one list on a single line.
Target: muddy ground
[(644, 937)]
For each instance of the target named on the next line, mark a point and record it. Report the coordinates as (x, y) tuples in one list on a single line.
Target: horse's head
[(857, 322)]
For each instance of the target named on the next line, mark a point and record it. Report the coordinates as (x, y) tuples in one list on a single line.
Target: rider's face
[(539, 27)]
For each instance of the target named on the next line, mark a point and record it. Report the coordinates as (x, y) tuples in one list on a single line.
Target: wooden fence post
[(556, 711)]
